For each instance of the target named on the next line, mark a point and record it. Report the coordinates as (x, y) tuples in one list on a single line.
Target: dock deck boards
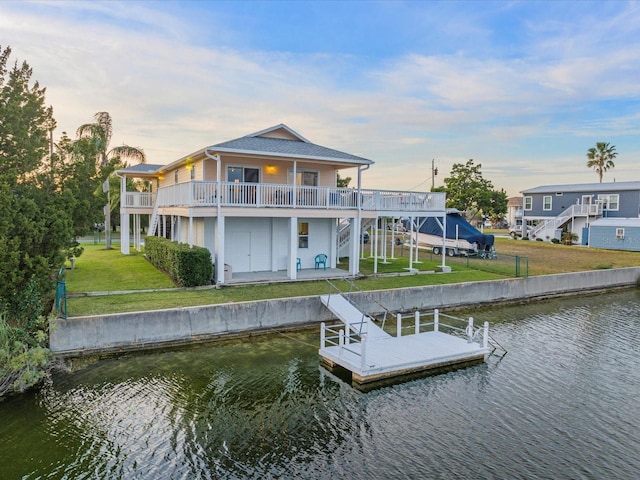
[(387, 356)]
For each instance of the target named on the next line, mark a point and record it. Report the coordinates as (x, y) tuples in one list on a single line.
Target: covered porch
[(305, 274)]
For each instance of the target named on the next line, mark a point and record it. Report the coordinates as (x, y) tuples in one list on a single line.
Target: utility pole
[(434, 172)]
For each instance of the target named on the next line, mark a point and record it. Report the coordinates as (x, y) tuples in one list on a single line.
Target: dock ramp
[(356, 321)]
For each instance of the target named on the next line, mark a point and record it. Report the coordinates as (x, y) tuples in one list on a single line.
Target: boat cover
[(466, 231)]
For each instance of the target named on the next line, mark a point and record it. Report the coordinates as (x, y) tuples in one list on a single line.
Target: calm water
[(563, 404)]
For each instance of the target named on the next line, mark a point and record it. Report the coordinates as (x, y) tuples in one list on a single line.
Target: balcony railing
[(139, 200), (259, 195)]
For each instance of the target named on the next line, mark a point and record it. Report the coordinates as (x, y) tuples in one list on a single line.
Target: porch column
[(124, 234), (219, 250), (354, 246), (333, 253), (274, 243), (190, 235), (292, 260)]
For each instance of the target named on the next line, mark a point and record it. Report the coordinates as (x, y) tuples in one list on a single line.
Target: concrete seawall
[(136, 330)]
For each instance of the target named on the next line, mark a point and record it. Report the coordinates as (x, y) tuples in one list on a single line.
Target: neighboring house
[(265, 202), (615, 234), (550, 210), (514, 211)]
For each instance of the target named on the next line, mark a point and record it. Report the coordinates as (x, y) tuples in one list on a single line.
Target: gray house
[(550, 210)]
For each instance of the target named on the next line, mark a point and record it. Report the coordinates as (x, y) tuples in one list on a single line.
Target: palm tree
[(601, 158), (101, 132)]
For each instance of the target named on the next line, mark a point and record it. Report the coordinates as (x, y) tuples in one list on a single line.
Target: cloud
[(526, 108)]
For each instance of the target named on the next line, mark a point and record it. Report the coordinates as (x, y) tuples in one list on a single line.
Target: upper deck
[(196, 194)]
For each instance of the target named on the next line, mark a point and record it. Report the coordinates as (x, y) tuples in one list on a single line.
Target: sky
[(523, 88)]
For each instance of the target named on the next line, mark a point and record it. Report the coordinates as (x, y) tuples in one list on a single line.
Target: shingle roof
[(286, 148), (142, 168), (585, 187)]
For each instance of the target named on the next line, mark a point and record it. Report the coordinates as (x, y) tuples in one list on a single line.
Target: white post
[(363, 353), (436, 320), (417, 317), (322, 335), (485, 336), (340, 342), (470, 330), (399, 325)]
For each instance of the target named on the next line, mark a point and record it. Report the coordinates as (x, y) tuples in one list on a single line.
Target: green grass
[(100, 270)]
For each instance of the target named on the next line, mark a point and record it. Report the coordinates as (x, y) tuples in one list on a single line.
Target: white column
[(333, 253), (292, 259), (124, 234), (354, 246), (219, 256)]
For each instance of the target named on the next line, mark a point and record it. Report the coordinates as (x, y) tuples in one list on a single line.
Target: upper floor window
[(610, 202), (175, 176), (192, 170), (307, 178), (546, 202), (527, 203), (243, 174)]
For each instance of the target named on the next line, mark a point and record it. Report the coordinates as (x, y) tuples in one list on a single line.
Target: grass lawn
[(100, 270)]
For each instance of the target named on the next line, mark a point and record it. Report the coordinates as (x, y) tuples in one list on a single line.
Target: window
[(619, 233), (610, 202), (193, 172), (303, 235), (243, 174), (546, 202), (304, 177), (527, 203), (175, 176)]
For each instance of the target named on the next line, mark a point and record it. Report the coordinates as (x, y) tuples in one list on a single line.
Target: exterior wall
[(258, 244), (319, 241), (628, 204), (605, 237), (136, 330)]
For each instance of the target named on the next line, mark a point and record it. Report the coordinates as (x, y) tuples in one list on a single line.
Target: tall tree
[(35, 226), (600, 158), (101, 132), (468, 191)]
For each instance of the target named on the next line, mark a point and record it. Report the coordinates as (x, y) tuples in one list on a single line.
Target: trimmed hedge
[(187, 266)]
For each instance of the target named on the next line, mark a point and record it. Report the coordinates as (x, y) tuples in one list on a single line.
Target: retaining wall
[(136, 330)]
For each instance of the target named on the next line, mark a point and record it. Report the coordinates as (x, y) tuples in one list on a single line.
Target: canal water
[(564, 403)]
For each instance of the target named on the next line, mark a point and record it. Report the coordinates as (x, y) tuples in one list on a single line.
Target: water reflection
[(559, 405)]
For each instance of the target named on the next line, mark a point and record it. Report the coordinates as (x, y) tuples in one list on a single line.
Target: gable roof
[(281, 141), (585, 187)]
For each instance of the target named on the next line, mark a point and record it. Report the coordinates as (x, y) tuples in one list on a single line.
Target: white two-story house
[(265, 202)]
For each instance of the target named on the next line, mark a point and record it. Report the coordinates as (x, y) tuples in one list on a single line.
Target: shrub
[(187, 266)]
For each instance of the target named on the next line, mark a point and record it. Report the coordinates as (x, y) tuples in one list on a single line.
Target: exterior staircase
[(552, 228)]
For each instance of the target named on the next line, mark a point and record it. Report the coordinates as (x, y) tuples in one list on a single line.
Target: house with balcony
[(265, 202), (514, 211), (550, 210)]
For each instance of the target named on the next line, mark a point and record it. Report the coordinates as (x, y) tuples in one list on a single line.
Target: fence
[(503, 264)]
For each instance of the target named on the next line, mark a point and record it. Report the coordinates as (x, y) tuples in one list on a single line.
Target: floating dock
[(423, 344)]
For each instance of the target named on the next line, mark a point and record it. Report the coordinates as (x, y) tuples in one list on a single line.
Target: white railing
[(333, 335), (139, 200), (257, 195), (549, 226)]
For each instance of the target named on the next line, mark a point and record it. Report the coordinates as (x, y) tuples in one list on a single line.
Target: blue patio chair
[(321, 259), (298, 265)]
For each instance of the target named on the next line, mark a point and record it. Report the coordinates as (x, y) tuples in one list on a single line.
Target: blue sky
[(523, 88)]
